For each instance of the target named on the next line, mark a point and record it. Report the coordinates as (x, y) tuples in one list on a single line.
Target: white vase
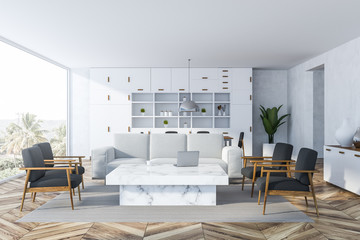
[(268, 149), (345, 133), (219, 113), (357, 136)]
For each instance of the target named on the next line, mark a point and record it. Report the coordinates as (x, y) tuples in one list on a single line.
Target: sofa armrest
[(232, 156), (100, 157)]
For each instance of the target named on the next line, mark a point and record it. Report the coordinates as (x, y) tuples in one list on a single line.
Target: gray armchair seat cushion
[(281, 183), (249, 171), (117, 162), (53, 179), (81, 169)]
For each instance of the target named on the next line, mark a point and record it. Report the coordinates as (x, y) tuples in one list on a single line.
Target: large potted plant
[(271, 123)]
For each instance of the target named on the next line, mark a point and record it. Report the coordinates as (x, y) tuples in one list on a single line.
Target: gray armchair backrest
[(306, 161), (46, 151), (33, 157), (282, 151)]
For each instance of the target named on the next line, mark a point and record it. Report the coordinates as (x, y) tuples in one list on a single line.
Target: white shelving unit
[(155, 103)]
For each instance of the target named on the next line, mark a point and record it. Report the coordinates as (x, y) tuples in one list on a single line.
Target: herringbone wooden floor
[(339, 219)]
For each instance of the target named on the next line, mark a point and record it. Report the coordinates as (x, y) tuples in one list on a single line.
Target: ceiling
[(165, 33)]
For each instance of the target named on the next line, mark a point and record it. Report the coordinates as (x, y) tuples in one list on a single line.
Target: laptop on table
[(187, 159)]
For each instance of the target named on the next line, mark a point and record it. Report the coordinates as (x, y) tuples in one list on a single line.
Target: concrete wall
[(318, 114), (341, 94), (269, 90)]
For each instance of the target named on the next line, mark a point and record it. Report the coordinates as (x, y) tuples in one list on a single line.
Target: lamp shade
[(188, 106)]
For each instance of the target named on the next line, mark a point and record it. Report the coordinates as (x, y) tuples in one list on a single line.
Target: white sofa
[(163, 148)]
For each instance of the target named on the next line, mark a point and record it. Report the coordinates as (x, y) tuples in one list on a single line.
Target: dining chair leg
[(306, 201), (259, 197), (71, 199), (79, 192), (252, 188), (243, 181), (266, 191), (82, 181), (73, 191), (34, 196)]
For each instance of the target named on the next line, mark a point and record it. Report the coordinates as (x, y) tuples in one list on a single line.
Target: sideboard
[(342, 167)]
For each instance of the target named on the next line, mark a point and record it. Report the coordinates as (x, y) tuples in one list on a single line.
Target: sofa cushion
[(131, 145), (166, 145), (222, 163), (209, 145), (115, 163)]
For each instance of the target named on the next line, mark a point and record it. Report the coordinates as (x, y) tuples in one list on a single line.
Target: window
[(33, 106)]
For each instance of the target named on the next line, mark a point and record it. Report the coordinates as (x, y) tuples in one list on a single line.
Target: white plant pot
[(142, 114), (203, 113), (268, 149), (345, 133), (166, 125)]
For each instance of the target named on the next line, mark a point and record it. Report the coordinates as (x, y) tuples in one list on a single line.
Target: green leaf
[(267, 126)]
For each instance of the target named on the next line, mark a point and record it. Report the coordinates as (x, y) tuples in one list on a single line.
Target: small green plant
[(166, 122), (142, 110), (203, 110), (271, 121)]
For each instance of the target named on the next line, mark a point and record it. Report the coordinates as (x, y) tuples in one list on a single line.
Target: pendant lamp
[(188, 105)]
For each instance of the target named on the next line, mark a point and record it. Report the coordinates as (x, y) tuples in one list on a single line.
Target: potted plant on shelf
[(203, 111), (271, 123), (166, 123), (142, 111)]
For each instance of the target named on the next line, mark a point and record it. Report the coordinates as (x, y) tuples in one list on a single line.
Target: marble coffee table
[(165, 184)]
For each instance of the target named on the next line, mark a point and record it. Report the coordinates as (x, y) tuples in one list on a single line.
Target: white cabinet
[(179, 80), (204, 73), (160, 79), (241, 96), (139, 79), (342, 167), (241, 78), (204, 85), (105, 120)]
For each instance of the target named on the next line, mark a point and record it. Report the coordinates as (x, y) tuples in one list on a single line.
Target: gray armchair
[(298, 186), (46, 179)]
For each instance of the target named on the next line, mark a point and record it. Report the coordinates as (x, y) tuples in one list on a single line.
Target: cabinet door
[(204, 73), (241, 96), (334, 159), (241, 121), (351, 171), (241, 78), (204, 85), (160, 79), (105, 120), (179, 80), (139, 79)]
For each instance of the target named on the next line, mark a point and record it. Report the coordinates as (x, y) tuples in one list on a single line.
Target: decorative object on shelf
[(185, 114), (203, 111), (162, 113), (184, 98), (166, 113), (166, 123), (188, 105), (224, 110), (185, 125), (219, 108), (345, 133), (170, 113), (271, 121), (142, 111), (356, 139)]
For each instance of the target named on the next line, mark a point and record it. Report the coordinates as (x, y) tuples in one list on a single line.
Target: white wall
[(341, 90), (79, 112), (269, 90)]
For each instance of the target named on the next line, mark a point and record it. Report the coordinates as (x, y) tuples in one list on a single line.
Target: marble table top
[(167, 174)]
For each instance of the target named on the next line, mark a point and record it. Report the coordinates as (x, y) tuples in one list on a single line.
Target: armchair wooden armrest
[(47, 168), (293, 171), (59, 160), (252, 157), (275, 161), (69, 156), (275, 165)]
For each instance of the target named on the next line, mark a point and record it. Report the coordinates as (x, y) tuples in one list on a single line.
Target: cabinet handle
[(108, 97), (128, 97), (225, 76), (128, 128), (341, 152), (161, 89), (225, 82), (108, 129), (181, 89), (250, 79), (250, 128), (356, 155), (204, 89), (225, 70), (108, 79), (327, 149), (204, 77), (128, 79), (225, 133), (250, 97), (140, 89), (225, 88)]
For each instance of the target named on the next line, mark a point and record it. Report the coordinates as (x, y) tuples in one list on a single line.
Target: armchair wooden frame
[(255, 161), (80, 163), (288, 193)]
